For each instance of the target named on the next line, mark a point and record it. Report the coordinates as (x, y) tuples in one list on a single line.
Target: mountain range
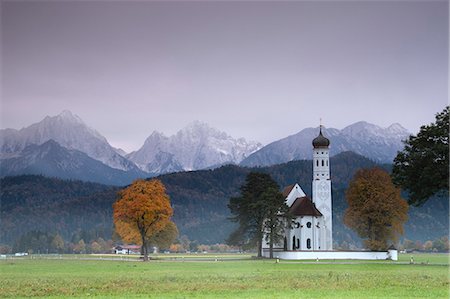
[(378, 144), (53, 160), (64, 146)]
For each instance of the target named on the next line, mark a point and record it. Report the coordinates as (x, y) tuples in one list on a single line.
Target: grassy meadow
[(223, 276)]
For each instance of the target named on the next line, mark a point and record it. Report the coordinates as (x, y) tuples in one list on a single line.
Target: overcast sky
[(259, 70)]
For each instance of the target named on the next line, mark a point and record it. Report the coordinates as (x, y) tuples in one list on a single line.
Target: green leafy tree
[(33, 241), (428, 245), (422, 167), (58, 243), (408, 244), (5, 249), (257, 210), (442, 244), (80, 247), (376, 210), (165, 237), (95, 247)]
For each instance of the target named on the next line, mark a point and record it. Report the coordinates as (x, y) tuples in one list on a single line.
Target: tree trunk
[(144, 249), (144, 246), (271, 246), (260, 248)]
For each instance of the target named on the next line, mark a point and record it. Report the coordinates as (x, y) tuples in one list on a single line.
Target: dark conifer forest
[(78, 210)]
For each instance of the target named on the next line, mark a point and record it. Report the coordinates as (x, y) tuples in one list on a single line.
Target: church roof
[(320, 141), (287, 190), (303, 206)]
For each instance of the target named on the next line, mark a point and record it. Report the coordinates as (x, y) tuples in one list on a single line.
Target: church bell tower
[(321, 188)]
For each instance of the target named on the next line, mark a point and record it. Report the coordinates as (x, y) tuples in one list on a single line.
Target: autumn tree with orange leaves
[(142, 213), (376, 210)]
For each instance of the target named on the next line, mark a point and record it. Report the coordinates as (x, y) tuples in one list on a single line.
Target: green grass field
[(178, 276)]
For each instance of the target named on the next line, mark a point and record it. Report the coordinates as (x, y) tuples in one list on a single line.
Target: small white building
[(127, 249)]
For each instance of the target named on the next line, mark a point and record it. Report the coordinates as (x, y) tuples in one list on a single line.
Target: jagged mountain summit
[(369, 140), (196, 146), (69, 131)]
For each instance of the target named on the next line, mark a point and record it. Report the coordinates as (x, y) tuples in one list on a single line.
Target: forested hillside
[(52, 205), (199, 199)]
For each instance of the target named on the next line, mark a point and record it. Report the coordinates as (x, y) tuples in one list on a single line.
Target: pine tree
[(277, 217), (258, 210)]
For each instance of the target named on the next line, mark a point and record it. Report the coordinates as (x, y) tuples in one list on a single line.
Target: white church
[(311, 233)]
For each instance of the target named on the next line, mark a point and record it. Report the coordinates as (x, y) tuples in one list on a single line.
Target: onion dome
[(321, 141)]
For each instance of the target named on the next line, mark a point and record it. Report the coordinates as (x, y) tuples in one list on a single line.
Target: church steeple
[(321, 168), (320, 141), (321, 186)]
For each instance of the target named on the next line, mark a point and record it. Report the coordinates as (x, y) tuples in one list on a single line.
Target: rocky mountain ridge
[(69, 131), (376, 143), (197, 146)]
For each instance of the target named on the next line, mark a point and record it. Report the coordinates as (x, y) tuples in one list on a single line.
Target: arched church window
[(308, 224), (308, 243), (317, 162), (323, 163), (295, 243), (327, 162)]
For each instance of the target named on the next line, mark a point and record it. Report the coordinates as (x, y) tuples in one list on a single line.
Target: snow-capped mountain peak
[(201, 130), (360, 128), (196, 146), (69, 116), (372, 141), (68, 130), (364, 129), (397, 129)]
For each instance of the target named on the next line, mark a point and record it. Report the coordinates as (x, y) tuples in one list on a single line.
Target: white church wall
[(307, 225), (322, 199), (300, 233), (317, 231), (295, 235), (335, 255), (394, 254), (295, 193), (321, 164)]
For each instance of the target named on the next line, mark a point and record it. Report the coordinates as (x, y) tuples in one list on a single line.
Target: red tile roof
[(303, 206), (287, 190)]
